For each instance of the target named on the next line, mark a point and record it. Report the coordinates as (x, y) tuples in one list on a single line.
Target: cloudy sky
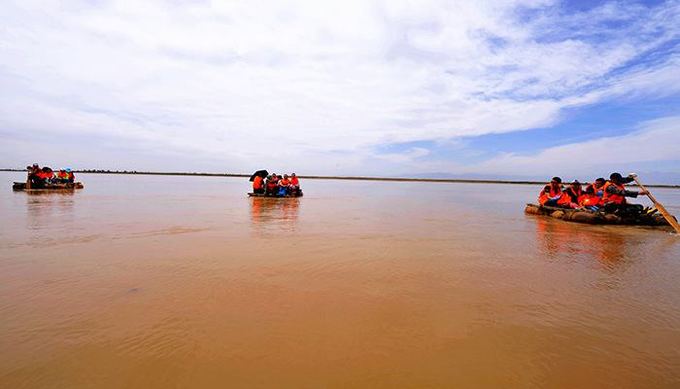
[(525, 88)]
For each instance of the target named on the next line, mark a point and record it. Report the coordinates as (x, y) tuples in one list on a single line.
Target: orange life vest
[(44, 175), (591, 199), (568, 194), (257, 183), (284, 182), (544, 197), (294, 181), (613, 198)]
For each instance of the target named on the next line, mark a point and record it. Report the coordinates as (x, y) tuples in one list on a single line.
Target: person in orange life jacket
[(615, 193), (572, 195), (258, 185), (592, 198), (62, 176), (551, 193), (46, 174), (294, 184), (283, 185), (70, 176), (271, 184)]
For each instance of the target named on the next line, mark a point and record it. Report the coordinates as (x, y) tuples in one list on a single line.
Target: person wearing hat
[(70, 177), (552, 193), (615, 193)]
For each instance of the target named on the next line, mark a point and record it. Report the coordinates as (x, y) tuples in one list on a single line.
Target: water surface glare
[(157, 282)]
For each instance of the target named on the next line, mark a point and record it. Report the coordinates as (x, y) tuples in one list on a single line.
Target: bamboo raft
[(250, 194), (21, 186), (651, 218)]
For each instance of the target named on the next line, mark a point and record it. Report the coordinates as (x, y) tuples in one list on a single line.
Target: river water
[(158, 282)]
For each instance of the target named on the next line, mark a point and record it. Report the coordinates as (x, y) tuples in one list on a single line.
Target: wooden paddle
[(669, 218)]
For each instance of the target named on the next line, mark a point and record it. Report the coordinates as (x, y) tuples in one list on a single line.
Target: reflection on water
[(281, 212), (559, 238), (154, 282)]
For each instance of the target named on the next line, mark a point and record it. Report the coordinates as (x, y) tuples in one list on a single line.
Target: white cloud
[(655, 140), (238, 82)]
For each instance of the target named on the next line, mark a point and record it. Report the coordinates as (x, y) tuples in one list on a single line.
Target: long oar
[(669, 218)]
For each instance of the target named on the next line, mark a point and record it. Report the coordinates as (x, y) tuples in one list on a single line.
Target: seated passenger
[(592, 198), (44, 176), (552, 193), (283, 185), (271, 185), (572, 195), (70, 176), (615, 193), (62, 176), (258, 185), (294, 184)]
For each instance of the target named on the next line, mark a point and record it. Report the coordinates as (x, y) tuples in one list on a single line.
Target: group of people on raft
[(276, 185), (39, 177), (602, 195)]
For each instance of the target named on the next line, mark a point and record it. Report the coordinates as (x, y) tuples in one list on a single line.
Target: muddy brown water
[(158, 282)]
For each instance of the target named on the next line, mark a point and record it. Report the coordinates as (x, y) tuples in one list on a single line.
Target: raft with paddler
[(44, 179), (601, 202), (273, 185)]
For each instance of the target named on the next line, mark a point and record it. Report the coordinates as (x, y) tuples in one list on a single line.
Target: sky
[(492, 89)]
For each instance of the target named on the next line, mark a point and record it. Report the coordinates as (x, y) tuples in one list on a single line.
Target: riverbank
[(353, 178)]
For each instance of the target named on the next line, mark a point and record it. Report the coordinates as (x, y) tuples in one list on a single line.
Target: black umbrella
[(261, 173)]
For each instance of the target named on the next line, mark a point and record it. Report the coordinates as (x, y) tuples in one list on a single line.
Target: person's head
[(292, 174), (35, 166), (556, 181), (600, 181), (575, 184), (616, 177), (68, 170), (285, 176)]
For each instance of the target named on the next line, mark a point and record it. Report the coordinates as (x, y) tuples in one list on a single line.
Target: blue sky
[(521, 88)]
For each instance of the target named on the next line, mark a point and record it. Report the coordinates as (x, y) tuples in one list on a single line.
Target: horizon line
[(321, 177)]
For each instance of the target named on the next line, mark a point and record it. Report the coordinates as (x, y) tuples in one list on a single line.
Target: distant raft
[(650, 218), (67, 187), (298, 194)]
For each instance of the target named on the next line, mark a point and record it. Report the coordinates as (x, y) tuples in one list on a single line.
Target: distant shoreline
[(352, 178)]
